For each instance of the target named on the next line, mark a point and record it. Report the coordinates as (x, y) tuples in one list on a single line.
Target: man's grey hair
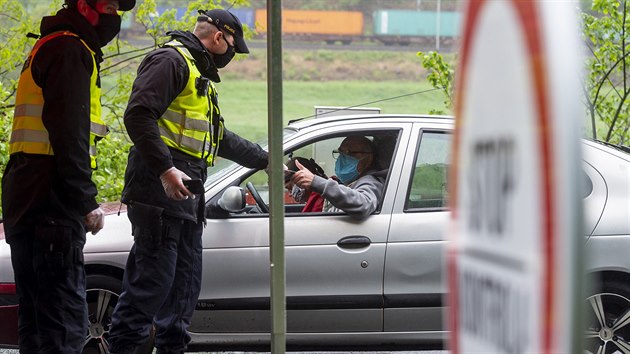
[(204, 29)]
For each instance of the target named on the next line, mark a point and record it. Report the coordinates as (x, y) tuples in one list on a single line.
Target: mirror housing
[(232, 200)]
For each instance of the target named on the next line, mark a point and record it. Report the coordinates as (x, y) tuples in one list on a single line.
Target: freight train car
[(389, 26), (328, 26), (386, 26), (405, 27)]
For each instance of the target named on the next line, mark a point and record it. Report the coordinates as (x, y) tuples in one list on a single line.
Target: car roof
[(615, 150), (412, 118), (313, 121)]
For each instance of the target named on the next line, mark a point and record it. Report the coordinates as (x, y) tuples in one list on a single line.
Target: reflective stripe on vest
[(29, 134), (187, 125)]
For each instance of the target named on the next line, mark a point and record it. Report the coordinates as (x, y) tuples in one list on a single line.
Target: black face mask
[(107, 28), (221, 60)]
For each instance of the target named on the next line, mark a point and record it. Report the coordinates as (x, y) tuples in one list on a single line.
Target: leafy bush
[(606, 31)]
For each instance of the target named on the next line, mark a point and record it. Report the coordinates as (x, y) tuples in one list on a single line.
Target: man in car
[(361, 185), (174, 121)]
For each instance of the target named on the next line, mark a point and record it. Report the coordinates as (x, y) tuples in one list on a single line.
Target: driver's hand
[(303, 178)]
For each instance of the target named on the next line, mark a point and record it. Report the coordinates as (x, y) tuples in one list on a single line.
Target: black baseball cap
[(226, 21), (126, 5), (123, 5)]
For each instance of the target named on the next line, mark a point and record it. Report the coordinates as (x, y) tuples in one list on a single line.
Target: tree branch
[(614, 121)]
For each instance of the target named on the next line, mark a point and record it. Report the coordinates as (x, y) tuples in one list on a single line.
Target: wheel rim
[(607, 324), (101, 304)]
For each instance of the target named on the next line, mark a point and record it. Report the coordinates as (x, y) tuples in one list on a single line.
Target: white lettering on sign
[(495, 311), (491, 185)]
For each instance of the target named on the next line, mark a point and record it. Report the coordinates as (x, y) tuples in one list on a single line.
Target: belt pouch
[(147, 224), (53, 241)]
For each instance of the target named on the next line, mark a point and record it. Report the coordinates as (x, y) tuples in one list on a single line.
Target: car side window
[(428, 189), (321, 151)]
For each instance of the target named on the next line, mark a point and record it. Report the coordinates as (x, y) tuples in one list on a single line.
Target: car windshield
[(223, 167)]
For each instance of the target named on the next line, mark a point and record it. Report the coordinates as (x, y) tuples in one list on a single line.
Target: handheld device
[(195, 186)]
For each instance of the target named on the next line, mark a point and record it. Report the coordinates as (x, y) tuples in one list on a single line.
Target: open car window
[(320, 150)]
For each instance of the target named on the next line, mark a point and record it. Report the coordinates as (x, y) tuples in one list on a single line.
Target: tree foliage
[(606, 31), (440, 75), (607, 83), (117, 73)]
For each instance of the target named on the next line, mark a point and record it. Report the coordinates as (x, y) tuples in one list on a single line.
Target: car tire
[(607, 318), (102, 295)]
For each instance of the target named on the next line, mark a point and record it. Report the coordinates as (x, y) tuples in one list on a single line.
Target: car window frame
[(410, 176), (310, 137)]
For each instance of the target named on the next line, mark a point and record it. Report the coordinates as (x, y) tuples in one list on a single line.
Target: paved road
[(9, 351)]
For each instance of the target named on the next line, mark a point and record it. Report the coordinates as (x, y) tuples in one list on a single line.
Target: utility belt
[(150, 227)]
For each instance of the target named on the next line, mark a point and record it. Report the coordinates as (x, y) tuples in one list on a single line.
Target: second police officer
[(175, 123)]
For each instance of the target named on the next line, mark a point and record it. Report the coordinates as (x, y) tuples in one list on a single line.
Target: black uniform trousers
[(50, 282), (161, 284)]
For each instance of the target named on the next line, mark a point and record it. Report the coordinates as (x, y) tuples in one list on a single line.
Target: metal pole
[(437, 26), (276, 177)]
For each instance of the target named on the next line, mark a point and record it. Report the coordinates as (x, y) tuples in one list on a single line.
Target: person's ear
[(88, 12), (217, 38), (365, 163)]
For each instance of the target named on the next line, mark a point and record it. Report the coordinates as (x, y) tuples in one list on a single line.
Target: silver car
[(376, 283)]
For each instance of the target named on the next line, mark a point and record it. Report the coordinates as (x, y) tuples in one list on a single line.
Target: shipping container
[(403, 25), (330, 26)]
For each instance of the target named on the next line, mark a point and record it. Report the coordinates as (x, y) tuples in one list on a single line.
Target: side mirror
[(232, 200)]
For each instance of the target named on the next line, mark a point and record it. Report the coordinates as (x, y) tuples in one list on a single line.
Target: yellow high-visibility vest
[(191, 123), (29, 134)]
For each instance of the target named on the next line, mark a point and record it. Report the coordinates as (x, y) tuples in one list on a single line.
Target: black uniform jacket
[(60, 186), (162, 76)]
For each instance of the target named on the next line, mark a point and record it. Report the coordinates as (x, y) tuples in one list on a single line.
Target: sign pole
[(276, 176)]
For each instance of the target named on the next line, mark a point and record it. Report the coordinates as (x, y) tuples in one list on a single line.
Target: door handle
[(354, 241)]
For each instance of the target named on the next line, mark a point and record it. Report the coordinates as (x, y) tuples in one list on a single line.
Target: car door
[(413, 286), (334, 263)]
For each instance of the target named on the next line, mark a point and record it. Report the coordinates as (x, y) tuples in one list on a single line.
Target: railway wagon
[(390, 27), (329, 26), (405, 27)]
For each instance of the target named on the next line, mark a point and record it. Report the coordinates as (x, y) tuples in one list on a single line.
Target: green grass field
[(244, 103), (321, 78)]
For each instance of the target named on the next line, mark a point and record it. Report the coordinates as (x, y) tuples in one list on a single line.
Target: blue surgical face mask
[(346, 168)]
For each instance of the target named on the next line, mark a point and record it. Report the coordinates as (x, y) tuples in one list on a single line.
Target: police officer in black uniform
[(48, 197), (177, 129)]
